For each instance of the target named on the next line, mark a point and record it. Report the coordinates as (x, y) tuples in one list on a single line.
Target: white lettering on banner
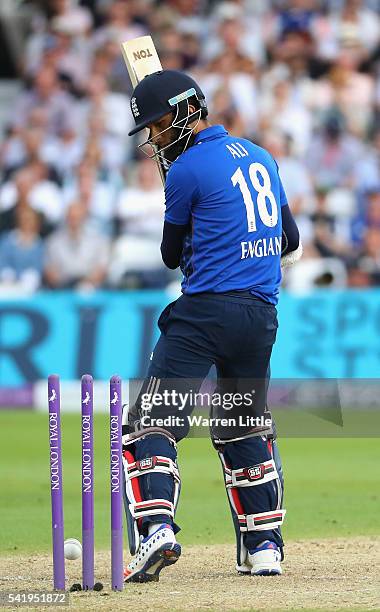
[(263, 247), (343, 345)]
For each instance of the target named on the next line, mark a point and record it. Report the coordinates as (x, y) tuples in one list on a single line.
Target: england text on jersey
[(261, 247)]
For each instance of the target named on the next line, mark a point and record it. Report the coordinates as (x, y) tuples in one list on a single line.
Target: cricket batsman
[(228, 227)]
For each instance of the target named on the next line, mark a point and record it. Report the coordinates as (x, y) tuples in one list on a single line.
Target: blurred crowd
[(81, 208)]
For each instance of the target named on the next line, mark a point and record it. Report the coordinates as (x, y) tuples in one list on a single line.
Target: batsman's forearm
[(172, 244)]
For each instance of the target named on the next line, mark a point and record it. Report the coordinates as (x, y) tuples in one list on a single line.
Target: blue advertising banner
[(324, 334), (71, 334), (328, 334)]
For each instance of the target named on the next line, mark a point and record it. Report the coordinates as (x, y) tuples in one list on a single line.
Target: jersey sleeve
[(180, 192)]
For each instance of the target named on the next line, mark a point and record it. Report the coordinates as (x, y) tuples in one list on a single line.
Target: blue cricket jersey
[(228, 191)]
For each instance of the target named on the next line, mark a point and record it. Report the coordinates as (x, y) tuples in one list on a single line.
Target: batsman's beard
[(174, 148)]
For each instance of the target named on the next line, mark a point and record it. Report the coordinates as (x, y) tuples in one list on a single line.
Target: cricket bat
[(141, 59)]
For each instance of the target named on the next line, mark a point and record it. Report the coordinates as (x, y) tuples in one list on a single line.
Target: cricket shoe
[(156, 551), (265, 560)]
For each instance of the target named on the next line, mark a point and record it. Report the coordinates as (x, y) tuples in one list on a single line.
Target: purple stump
[(56, 486), (117, 577), (87, 483)]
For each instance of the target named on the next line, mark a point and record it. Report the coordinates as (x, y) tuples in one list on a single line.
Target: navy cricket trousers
[(234, 332)]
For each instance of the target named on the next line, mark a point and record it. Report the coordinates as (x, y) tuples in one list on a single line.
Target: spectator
[(136, 258), (171, 49), (184, 14), (367, 214), (357, 278), (373, 210), (240, 86), (224, 112), (292, 16), (369, 256), (78, 18), (46, 43), (279, 110), (22, 148), (294, 173), (236, 34), (367, 173), (348, 90), (354, 21), (119, 25), (46, 96), (33, 185), (30, 152), (76, 255), (333, 155), (96, 194), (21, 252), (110, 109), (63, 152), (140, 207), (329, 238)]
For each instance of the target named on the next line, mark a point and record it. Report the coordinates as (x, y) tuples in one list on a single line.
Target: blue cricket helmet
[(159, 93)]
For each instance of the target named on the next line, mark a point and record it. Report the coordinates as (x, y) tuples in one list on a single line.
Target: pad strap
[(131, 438), (157, 463), (138, 508), (261, 521), (251, 476), (151, 507)]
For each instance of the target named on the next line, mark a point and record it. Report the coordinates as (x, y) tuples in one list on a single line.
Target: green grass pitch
[(331, 490)]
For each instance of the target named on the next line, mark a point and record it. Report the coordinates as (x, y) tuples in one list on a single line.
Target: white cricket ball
[(73, 549)]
